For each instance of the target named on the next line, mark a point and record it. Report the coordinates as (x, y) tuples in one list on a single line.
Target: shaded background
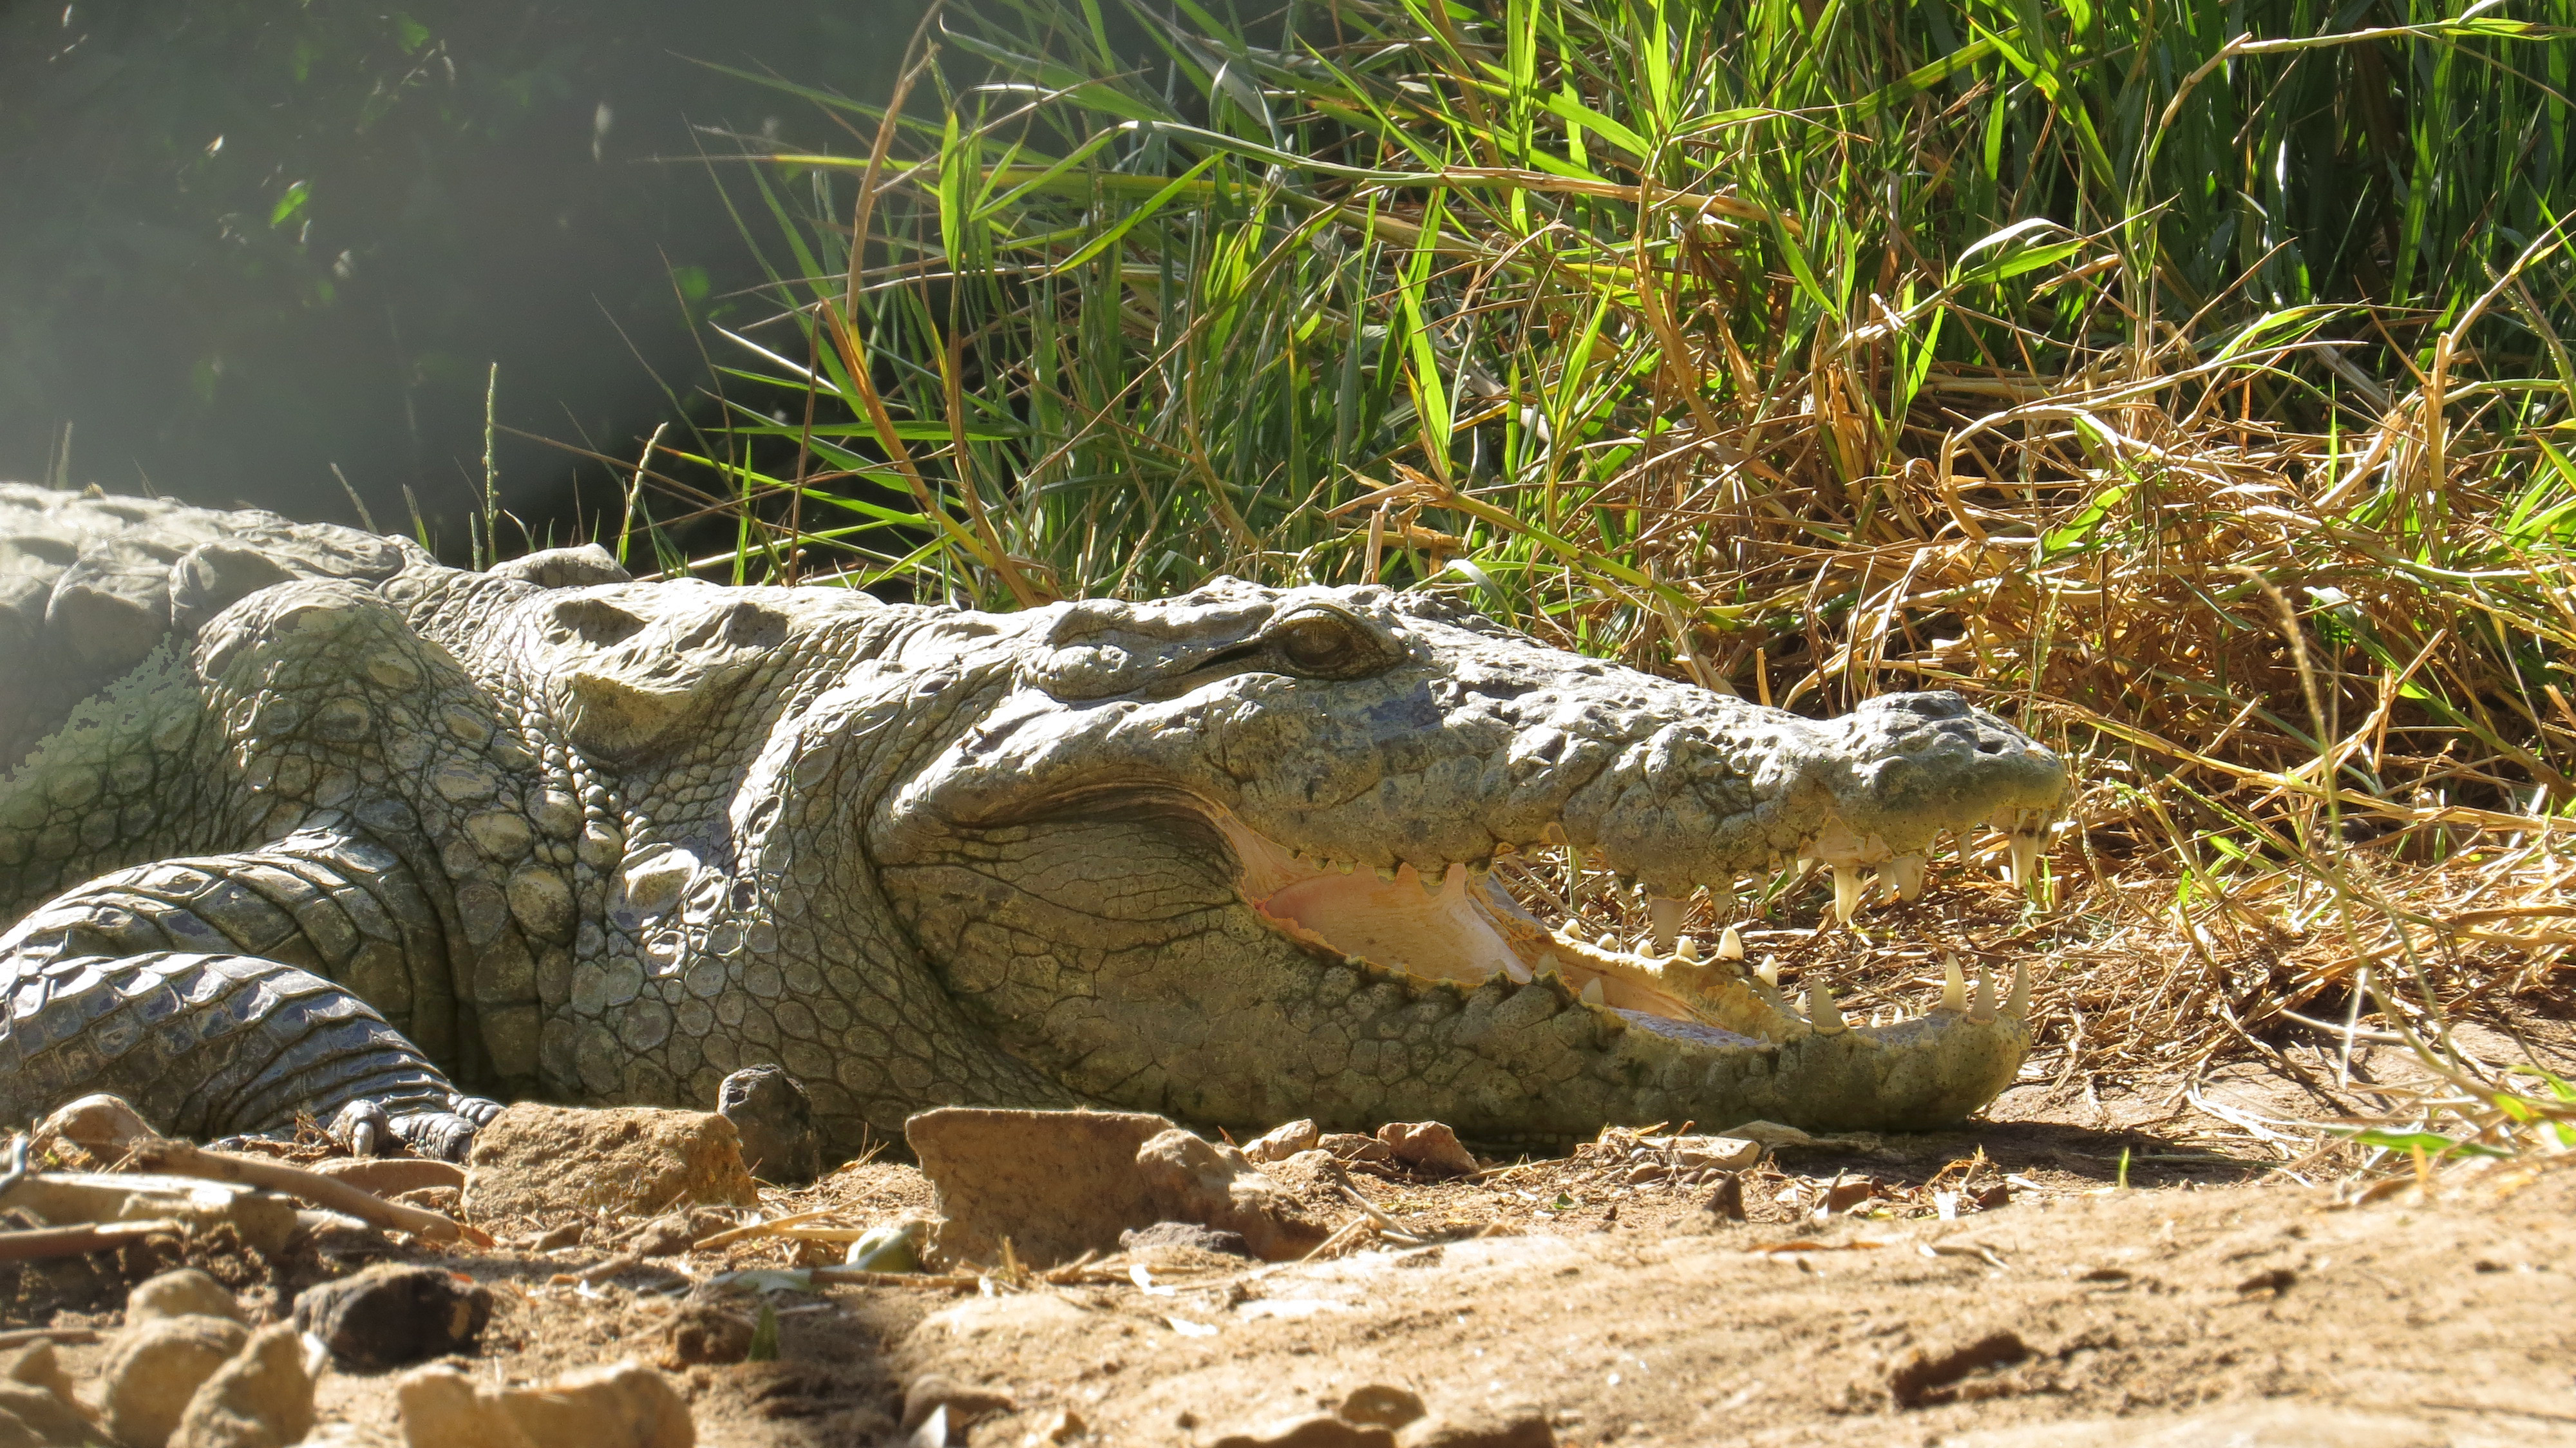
[(243, 242)]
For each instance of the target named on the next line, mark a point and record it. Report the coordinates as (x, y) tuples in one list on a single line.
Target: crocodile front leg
[(225, 995)]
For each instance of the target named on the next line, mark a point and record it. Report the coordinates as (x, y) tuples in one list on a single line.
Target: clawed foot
[(365, 1127)]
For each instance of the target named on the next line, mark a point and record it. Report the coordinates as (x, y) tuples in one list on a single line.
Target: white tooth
[(1591, 995), (2025, 858), (1721, 899), (1984, 1007), (1435, 879), (1906, 872), (1386, 873), (1667, 916), (1954, 986), (1730, 944), (1821, 1013), (1346, 866), (1687, 947), (1846, 892), (1769, 970), (2018, 1006), (1608, 941)]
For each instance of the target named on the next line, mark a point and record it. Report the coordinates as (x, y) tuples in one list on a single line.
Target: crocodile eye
[(1328, 644)]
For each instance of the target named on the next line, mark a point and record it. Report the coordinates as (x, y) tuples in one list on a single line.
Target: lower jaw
[(1714, 1038)]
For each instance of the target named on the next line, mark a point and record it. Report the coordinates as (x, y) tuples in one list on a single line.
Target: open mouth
[(1462, 925)]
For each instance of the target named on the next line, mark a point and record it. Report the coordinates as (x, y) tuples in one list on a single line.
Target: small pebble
[(156, 1367), (263, 1398), (1281, 1142), (395, 1314), (1428, 1147), (1384, 1404), (187, 1292)]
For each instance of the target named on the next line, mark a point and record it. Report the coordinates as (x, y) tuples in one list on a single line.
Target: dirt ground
[(2237, 1288)]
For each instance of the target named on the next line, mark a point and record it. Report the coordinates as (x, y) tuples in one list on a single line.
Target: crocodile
[(297, 819)]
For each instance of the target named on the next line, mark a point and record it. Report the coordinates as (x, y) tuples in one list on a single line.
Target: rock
[(550, 1162), (1428, 1147), (36, 1366), (391, 1176), (1700, 1153), (38, 1408), (1195, 1180), (966, 1403), (156, 1367), (41, 1418), (619, 1405), (699, 1333), (1281, 1142), (394, 1314), (1351, 1146), (1183, 1236), (1057, 1183), (1515, 1426), (263, 1398), (775, 1119), (187, 1292), (1384, 1404), (1315, 1430)]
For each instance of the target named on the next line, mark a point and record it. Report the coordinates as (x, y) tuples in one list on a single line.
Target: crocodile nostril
[(1990, 746)]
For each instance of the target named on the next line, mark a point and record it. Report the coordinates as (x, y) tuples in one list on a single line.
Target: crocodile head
[(1227, 856)]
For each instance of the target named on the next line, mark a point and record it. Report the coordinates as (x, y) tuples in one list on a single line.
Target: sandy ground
[(1619, 1302)]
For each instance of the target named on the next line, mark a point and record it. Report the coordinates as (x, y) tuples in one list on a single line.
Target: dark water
[(242, 242)]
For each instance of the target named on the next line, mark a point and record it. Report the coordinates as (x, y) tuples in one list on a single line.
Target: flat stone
[(1057, 1183), (549, 1163), (395, 1314), (156, 1367), (775, 1119), (263, 1398), (1428, 1147), (186, 1292)]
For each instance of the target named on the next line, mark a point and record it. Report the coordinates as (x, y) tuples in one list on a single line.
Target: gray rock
[(776, 1119), (156, 1367)]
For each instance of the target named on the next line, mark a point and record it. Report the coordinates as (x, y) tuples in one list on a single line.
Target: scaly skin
[(334, 825)]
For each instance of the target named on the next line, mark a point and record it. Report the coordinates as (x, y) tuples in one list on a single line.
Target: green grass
[(2189, 380)]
